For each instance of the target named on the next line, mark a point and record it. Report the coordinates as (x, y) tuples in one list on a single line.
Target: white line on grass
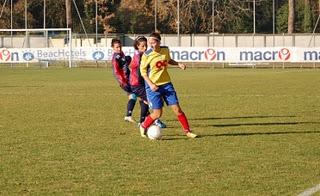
[(310, 191)]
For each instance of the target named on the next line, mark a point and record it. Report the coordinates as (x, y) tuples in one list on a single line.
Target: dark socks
[(144, 112), (130, 106)]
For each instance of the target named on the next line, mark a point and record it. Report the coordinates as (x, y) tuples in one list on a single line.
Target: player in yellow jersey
[(159, 88), (137, 82)]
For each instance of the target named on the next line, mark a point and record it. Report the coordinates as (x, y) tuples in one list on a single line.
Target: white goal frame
[(45, 31)]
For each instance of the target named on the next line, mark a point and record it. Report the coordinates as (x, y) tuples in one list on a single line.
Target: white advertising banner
[(189, 54)]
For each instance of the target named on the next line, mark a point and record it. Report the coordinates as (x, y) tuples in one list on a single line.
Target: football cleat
[(191, 135), (160, 124), (129, 119), (143, 131)]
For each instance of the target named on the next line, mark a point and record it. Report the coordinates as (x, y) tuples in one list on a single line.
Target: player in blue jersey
[(159, 88), (137, 82), (121, 71)]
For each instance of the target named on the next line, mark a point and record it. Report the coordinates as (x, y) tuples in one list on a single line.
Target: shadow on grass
[(241, 117), (23, 86), (261, 124), (246, 124), (260, 133), (170, 138), (235, 117), (175, 137)]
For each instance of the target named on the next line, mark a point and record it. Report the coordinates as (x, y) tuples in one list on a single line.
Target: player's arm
[(143, 70), (173, 62), (118, 73), (181, 65), (152, 85), (126, 67)]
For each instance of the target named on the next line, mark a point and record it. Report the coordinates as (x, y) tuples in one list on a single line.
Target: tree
[(304, 17), (264, 17), (68, 13), (55, 12), (167, 16), (291, 16), (133, 16), (137, 16), (106, 12), (307, 19), (233, 16), (195, 16), (18, 15)]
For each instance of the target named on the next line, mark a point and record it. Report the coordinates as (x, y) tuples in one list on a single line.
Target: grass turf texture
[(62, 131)]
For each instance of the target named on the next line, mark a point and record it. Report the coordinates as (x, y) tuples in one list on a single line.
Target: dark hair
[(115, 41), (138, 40), (155, 35)]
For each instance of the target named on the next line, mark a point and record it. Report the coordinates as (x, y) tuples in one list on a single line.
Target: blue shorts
[(165, 93)]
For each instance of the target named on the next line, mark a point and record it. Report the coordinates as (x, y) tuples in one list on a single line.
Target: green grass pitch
[(62, 132)]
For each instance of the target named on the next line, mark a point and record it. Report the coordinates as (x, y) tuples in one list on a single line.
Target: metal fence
[(172, 40), (46, 40), (216, 40)]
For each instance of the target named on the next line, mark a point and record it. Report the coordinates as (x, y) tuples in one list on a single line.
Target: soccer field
[(62, 132)]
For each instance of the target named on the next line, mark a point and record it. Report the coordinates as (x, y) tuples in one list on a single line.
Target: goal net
[(41, 46)]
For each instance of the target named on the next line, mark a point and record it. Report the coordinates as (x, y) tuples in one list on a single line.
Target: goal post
[(36, 45)]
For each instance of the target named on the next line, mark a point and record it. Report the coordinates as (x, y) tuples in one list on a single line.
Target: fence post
[(283, 45), (213, 40), (253, 36), (273, 45), (314, 45), (237, 41)]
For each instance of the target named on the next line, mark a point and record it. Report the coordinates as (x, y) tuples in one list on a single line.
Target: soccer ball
[(154, 132)]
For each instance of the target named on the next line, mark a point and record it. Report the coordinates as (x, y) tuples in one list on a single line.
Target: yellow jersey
[(154, 65)]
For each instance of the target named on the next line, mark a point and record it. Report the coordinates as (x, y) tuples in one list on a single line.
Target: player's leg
[(142, 97), (171, 99), (130, 106), (156, 104), (141, 93), (156, 114), (182, 118), (144, 110)]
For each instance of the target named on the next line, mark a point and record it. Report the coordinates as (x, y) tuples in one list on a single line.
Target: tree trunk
[(291, 16), (68, 13), (307, 19), (306, 2)]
